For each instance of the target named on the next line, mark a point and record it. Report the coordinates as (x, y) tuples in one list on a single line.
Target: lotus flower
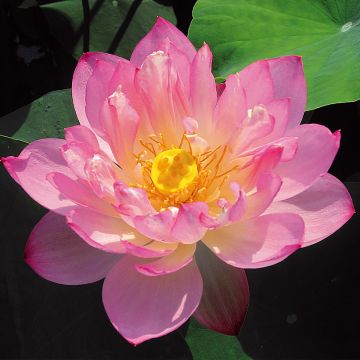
[(172, 185)]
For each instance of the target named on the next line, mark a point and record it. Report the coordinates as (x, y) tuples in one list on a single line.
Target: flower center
[(173, 171)]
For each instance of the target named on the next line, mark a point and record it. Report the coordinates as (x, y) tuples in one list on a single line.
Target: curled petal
[(81, 144), (154, 41), (170, 263), (31, 168), (225, 297), (57, 254), (261, 163), (144, 307), (316, 150), (132, 201), (257, 242), (79, 192), (101, 174), (230, 213), (187, 227), (157, 226), (325, 206)]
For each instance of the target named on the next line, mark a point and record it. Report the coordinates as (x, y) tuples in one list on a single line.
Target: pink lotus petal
[(120, 124), (203, 95), (258, 242), (57, 254), (316, 150), (157, 226), (83, 72), (225, 297), (79, 192), (144, 307), (231, 109), (266, 189), (81, 144), (132, 201), (230, 212), (188, 228), (257, 125), (82, 134), (150, 249), (170, 263), (97, 90), (101, 174), (279, 110), (262, 163), (154, 41), (158, 79), (101, 231), (287, 73), (325, 206), (257, 82), (35, 162)]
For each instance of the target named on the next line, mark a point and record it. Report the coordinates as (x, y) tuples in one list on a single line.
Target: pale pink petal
[(170, 263), (97, 90), (32, 166), (231, 109), (230, 212), (124, 75), (161, 93), (279, 110), (114, 235), (257, 82), (81, 144), (225, 297), (287, 74), (101, 231), (188, 228), (181, 64), (264, 162), (289, 146), (132, 201), (257, 242), (203, 93), (157, 226), (257, 125), (82, 73), (82, 134), (120, 123), (79, 192), (266, 189), (143, 307), (150, 249), (57, 254), (101, 174), (84, 70), (154, 41), (325, 206), (316, 150)]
